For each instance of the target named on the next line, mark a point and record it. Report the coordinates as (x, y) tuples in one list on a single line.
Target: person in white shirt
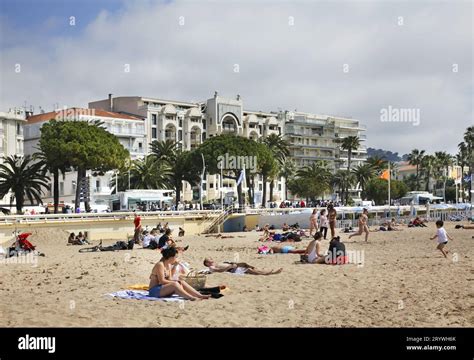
[(443, 237)]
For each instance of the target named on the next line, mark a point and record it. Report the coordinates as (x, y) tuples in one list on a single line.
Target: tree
[(288, 170), (445, 160), (182, 165), (427, 165), (461, 158), (51, 147), (88, 146), (279, 149), (24, 178), (215, 149), (342, 180), (377, 163), (469, 140), (349, 143), (311, 181), (377, 190), (416, 158), (146, 173), (363, 173)]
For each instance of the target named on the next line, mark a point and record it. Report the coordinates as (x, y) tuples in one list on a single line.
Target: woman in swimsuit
[(313, 222), (161, 283), (332, 214)]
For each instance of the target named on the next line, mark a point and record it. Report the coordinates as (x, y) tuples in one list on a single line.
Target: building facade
[(11, 138), (130, 131)]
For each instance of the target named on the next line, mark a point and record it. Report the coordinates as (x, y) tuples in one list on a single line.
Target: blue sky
[(283, 64)]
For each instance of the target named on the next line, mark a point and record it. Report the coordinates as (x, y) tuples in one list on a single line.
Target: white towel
[(142, 295)]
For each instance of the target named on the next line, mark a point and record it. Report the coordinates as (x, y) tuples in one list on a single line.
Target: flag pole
[(389, 176)]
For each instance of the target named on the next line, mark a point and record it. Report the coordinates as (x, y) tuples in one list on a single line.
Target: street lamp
[(202, 177)]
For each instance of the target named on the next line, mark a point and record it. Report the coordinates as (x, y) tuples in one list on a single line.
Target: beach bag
[(277, 237), (194, 279)]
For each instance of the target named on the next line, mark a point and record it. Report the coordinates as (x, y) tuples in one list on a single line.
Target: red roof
[(73, 112)]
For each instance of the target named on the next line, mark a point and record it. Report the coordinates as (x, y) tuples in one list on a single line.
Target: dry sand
[(404, 282)]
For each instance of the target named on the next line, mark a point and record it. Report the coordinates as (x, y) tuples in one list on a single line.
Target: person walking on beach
[(313, 222), (443, 237), (332, 214), (137, 222), (363, 219), (161, 283)]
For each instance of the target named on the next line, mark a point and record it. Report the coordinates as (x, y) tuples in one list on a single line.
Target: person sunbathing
[(465, 227), (237, 268), (161, 283), (267, 234)]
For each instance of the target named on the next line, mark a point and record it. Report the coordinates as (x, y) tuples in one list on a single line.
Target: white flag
[(241, 177)]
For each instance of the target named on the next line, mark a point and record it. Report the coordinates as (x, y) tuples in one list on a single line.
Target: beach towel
[(137, 287), (142, 295)]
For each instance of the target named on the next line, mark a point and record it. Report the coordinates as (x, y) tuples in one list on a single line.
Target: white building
[(191, 123), (11, 138), (130, 131)]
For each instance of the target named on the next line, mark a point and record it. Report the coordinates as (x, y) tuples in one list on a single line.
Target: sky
[(368, 60)]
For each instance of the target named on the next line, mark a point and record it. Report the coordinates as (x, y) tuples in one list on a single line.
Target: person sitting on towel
[(237, 268), (161, 279)]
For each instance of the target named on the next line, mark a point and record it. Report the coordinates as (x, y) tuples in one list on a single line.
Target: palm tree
[(461, 158), (428, 164), (469, 140), (349, 143), (164, 150), (178, 162), (342, 180), (144, 173), (279, 149), (445, 161), (377, 163), (288, 171), (314, 178), (363, 173), (415, 158), (24, 178)]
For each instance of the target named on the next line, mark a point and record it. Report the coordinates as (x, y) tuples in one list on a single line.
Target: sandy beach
[(403, 282)]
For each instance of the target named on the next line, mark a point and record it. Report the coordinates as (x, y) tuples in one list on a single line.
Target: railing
[(11, 219), (217, 222)]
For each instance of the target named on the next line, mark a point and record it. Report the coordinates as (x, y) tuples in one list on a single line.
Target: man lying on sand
[(237, 268)]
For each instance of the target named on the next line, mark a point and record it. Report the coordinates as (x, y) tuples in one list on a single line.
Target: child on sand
[(442, 236)]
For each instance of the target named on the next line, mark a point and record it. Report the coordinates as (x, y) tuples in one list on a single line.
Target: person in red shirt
[(137, 221)]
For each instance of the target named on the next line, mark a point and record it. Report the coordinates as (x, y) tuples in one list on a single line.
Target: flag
[(241, 177), (385, 175)]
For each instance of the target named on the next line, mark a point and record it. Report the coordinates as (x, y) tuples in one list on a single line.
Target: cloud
[(290, 56)]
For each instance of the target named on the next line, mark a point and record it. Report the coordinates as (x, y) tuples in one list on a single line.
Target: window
[(140, 146), (73, 186), (260, 129), (211, 185), (203, 123), (260, 187), (180, 135), (61, 188), (180, 123), (153, 133), (153, 119), (204, 187), (279, 187), (97, 184), (203, 136), (18, 129)]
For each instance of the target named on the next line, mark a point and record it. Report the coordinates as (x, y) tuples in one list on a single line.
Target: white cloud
[(281, 66)]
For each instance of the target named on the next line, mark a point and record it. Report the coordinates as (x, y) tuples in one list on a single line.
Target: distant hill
[(387, 155)]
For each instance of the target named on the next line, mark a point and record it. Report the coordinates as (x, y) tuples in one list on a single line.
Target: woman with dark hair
[(161, 283)]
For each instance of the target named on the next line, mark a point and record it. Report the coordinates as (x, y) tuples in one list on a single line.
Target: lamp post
[(202, 177)]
